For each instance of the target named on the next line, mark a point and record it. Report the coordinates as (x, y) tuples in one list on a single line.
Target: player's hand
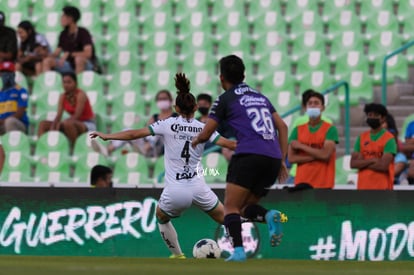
[(283, 173), (194, 142), (296, 145), (98, 134)]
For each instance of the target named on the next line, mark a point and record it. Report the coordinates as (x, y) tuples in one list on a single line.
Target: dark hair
[(72, 12), (30, 42), (232, 69), (164, 92), (184, 100), (2, 18), (375, 108), (311, 93), (391, 125), (98, 172), (71, 75), (205, 97)]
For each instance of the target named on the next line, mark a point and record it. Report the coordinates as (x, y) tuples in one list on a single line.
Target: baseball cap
[(2, 18), (7, 66)]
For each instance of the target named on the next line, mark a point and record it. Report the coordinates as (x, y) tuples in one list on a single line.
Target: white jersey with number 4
[(182, 162)]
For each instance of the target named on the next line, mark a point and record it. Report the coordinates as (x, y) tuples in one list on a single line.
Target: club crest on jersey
[(176, 128)]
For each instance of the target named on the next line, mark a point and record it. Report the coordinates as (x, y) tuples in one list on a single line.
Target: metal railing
[(384, 70), (347, 114)]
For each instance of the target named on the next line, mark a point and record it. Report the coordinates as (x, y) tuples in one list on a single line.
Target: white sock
[(169, 235)]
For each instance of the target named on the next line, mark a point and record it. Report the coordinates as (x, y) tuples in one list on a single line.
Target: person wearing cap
[(374, 152), (8, 41), (75, 50), (13, 101)]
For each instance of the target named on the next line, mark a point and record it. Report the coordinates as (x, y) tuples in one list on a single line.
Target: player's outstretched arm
[(208, 130), (227, 143), (124, 135)]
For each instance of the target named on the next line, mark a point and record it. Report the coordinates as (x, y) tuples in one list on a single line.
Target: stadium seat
[(269, 41), (360, 86), (384, 20), (158, 170), (131, 168), (121, 41), (214, 168), (404, 14), (275, 60), (122, 60), (283, 100), (383, 43), (48, 81), (332, 107), (16, 141), (231, 21), (313, 61), (306, 42), (111, 8), (121, 120), (369, 7), (48, 22), (52, 141), (296, 8), (146, 9), (344, 42), (317, 80), (307, 21), (266, 14), (124, 80), (159, 60), (160, 21), (330, 9), (160, 40), (404, 126), (227, 7), (344, 20), (21, 80), (43, 7), (277, 81), (158, 80), (235, 42), (343, 172), (397, 67), (83, 146), (84, 165), (17, 168), (93, 23), (196, 41), (352, 61), (119, 22), (192, 20), (48, 172), (14, 18), (128, 101)]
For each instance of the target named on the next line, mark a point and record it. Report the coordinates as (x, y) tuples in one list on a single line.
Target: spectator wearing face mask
[(374, 152), (13, 101), (312, 146)]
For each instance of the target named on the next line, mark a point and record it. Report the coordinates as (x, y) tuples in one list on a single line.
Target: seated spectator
[(75, 51), (32, 50), (400, 160), (101, 176), (75, 102), (13, 101), (8, 41)]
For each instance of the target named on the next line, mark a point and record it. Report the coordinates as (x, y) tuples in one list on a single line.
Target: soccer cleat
[(238, 255), (180, 256), (274, 219)]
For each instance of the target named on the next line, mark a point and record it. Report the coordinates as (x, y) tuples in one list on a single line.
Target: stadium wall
[(323, 224)]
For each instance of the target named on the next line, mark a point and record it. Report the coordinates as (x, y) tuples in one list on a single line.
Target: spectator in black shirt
[(75, 51), (8, 41)]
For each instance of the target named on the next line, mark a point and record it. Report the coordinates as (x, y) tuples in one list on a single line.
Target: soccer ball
[(206, 249)]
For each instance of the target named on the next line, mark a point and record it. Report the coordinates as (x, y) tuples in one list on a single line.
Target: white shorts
[(176, 198)]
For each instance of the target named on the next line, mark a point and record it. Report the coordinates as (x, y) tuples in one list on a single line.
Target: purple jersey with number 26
[(250, 115)]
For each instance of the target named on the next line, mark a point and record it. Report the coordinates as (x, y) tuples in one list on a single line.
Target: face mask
[(313, 112), (374, 123), (203, 110), (163, 104), (7, 79)]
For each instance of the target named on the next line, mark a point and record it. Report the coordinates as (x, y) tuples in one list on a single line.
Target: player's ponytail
[(184, 100)]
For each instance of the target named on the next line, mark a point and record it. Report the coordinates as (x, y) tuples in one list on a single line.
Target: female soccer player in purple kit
[(259, 157)]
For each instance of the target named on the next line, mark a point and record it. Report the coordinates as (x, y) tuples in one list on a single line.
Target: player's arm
[(358, 162), (382, 164), (282, 130), (124, 135), (227, 143), (206, 133), (322, 154)]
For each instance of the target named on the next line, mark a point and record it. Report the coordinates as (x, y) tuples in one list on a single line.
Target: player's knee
[(161, 216)]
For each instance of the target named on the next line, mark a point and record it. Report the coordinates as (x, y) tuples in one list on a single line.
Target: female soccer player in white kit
[(184, 181)]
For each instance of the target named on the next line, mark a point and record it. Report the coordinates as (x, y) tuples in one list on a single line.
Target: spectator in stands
[(75, 50), (312, 146), (101, 176), (374, 152), (13, 101), (75, 102), (400, 160), (8, 41), (32, 50)]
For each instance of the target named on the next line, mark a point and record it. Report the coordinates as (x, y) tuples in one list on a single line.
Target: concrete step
[(400, 110)]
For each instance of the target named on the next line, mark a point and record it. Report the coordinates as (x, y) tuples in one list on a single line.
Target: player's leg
[(173, 201), (169, 234)]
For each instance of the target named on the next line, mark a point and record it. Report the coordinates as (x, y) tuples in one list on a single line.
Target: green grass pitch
[(41, 265)]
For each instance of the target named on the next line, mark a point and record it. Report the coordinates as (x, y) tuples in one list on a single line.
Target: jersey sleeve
[(214, 137), (357, 147), (391, 146), (159, 127), (332, 134), (294, 135), (218, 110)]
